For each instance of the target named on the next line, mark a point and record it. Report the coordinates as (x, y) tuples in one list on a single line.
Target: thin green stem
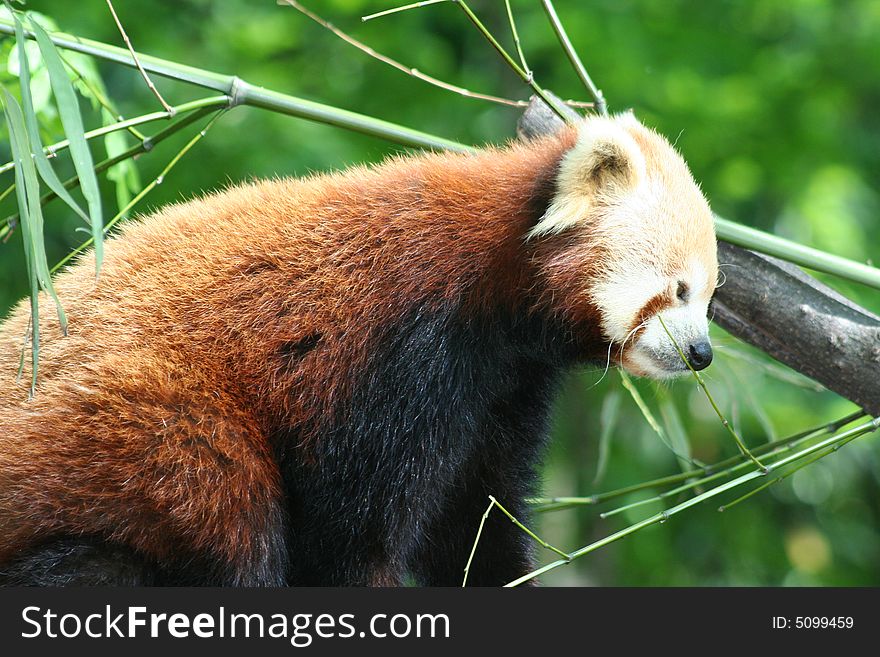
[(146, 190), (512, 518), (467, 566), (516, 41), (522, 71), (766, 485), (663, 516), (632, 529), (395, 10), (96, 93), (524, 75), (782, 477), (572, 55), (408, 70), (134, 56), (722, 467), (211, 101), (724, 422), (690, 485), (147, 144), (695, 483), (528, 531), (543, 505)]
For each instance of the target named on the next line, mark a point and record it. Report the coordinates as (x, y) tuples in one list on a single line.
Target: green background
[(773, 104)]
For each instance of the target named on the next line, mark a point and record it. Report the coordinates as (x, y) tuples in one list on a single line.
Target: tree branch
[(243, 93), (801, 322), (150, 85), (571, 53), (412, 72)]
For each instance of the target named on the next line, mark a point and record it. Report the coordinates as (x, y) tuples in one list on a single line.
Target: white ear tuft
[(628, 118), (605, 160)]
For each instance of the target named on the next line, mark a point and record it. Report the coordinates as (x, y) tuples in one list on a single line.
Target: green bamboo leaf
[(19, 154), (68, 109), (30, 117), (743, 382), (675, 430), (87, 80), (124, 174), (650, 419), (29, 200), (643, 407), (607, 423), (31, 49)]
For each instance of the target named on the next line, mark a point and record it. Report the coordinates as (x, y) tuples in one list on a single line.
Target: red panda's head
[(640, 245)]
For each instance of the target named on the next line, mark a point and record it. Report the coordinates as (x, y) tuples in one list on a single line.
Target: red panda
[(320, 381)]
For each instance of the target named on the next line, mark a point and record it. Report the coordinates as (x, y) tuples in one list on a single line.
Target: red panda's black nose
[(700, 355)]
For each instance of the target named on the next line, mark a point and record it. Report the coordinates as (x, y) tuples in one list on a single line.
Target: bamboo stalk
[(467, 566), (799, 254), (243, 93), (125, 124), (141, 147), (839, 439), (698, 476), (576, 63), (246, 94)]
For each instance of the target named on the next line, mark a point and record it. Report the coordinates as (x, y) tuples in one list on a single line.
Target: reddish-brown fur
[(204, 313), (653, 306)]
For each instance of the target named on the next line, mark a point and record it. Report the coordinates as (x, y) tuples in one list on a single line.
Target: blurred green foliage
[(773, 104)]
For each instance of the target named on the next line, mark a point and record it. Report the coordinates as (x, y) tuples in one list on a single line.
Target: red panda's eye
[(682, 291)]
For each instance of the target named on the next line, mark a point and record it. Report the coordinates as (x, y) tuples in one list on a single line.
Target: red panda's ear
[(605, 162), (605, 154), (610, 162)]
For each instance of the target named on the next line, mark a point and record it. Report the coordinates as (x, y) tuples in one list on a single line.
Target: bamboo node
[(238, 91)]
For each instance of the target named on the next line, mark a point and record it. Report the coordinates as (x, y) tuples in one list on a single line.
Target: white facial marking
[(565, 212), (621, 297), (654, 352), (699, 277), (687, 324)]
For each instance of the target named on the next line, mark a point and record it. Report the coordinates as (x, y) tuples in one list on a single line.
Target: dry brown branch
[(137, 63), (395, 64)]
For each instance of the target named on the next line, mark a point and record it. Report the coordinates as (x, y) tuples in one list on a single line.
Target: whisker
[(677, 138), (608, 357), (626, 339), (607, 366)]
